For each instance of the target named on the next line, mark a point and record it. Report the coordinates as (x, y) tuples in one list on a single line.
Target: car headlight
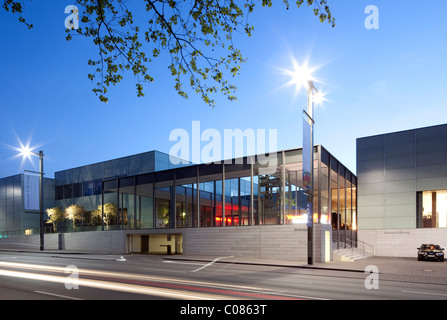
[(440, 254)]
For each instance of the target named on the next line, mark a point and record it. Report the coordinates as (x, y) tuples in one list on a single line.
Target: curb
[(311, 267)]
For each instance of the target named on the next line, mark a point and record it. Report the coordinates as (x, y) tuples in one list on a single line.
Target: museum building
[(238, 207), (146, 204)]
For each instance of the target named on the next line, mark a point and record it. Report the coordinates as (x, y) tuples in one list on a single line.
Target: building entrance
[(155, 243)]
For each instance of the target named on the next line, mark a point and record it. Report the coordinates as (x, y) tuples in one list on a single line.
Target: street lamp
[(310, 115), (301, 76), (27, 152)]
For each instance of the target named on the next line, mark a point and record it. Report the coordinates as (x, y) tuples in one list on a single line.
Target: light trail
[(132, 276), (142, 284), (115, 286)]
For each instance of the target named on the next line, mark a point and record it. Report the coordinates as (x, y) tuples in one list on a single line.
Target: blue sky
[(376, 81)]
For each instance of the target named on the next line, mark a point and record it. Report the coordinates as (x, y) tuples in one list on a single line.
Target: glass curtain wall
[(144, 208), (296, 197), (343, 201), (324, 181), (236, 193), (164, 199), (126, 203), (186, 197), (109, 205), (269, 199), (211, 200)]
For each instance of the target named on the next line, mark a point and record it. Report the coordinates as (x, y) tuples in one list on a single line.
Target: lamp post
[(301, 76), (311, 91), (26, 152)]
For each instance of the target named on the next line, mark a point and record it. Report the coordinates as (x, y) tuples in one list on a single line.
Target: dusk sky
[(375, 81)]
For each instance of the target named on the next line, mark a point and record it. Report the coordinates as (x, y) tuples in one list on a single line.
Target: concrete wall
[(284, 242), (322, 243), (100, 242), (104, 242), (288, 242), (401, 242)]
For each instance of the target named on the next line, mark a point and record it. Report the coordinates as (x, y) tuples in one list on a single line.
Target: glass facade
[(240, 192), (343, 190), (83, 186)]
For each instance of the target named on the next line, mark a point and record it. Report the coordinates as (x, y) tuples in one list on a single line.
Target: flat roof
[(402, 131)]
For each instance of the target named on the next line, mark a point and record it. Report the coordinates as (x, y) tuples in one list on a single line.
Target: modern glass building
[(403, 189), (145, 204), (235, 193), (246, 206)]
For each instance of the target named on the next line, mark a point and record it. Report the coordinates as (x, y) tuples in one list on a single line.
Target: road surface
[(46, 276)]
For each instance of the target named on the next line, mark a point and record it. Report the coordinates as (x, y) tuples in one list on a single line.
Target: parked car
[(431, 252)]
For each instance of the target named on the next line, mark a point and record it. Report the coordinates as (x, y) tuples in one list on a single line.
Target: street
[(46, 276)]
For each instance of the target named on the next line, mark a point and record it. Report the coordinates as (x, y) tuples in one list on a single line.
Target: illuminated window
[(434, 209)]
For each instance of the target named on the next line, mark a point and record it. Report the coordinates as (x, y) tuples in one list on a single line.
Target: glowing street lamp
[(302, 76), (27, 152)]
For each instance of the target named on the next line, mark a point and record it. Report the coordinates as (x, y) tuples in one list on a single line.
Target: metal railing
[(347, 239), (366, 248)]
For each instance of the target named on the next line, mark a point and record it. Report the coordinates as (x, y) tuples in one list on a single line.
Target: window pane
[(441, 208), (88, 188), (434, 209), (68, 191), (269, 208), (296, 199), (354, 207), (335, 216), (59, 192), (324, 194), (145, 205), (186, 204), (77, 190), (97, 186), (206, 203), (231, 202), (348, 205), (163, 206)]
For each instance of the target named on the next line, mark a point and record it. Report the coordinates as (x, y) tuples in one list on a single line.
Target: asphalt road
[(44, 276)]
